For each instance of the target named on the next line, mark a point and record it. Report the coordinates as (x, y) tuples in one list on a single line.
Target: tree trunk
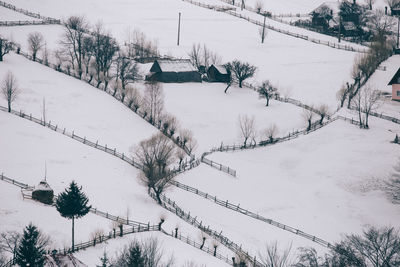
[(73, 241), (158, 198), (229, 85), (1, 55), (9, 106), (366, 120), (240, 83), (267, 101), (34, 56)]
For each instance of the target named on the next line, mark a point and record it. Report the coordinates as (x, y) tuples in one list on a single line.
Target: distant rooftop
[(180, 65)]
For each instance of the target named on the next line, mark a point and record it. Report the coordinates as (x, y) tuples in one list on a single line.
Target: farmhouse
[(324, 15), (218, 73), (173, 71), (395, 83)]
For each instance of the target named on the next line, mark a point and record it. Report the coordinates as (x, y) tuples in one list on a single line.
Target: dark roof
[(395, 79)]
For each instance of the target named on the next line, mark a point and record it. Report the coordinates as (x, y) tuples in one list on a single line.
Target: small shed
[(43, 193), (395, 83), (173, 71), (218, 73)]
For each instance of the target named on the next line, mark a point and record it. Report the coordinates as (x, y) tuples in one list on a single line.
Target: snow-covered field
[(75, 105), (312, 181), (313, 75), (10, 15), (328, 183)]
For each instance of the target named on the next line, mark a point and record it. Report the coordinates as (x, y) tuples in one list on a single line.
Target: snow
[(180, 252), (221, 69), (75, 105), (212, 115), (311, 181), (181, 65), (313, 75), (10, 15)]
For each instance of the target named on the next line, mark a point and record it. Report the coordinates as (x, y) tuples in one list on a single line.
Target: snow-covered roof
[(332, 5), (221, 69), (181, 65), (43, 186)]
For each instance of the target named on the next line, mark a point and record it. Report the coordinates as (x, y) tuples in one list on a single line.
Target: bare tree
[(392, 3), (271, 132), (202, 57), (323, 112), (88, 47), (370, 3), (134, 98), (242, 70), (156, 155), (186, 139), (35, 42), (259, 6), (247, 127), (128, 70), (341, 95), (308, 116), (272, 257), (5, 47), (195, 56), (382, 26), (73, 38), (9, 89), (9, 242), (267, 90), (243, 5), (153, 101), (365, 102)]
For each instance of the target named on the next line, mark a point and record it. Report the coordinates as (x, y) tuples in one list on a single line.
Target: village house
[(395, 83), (173, 71), (218, 73), (325, 15)]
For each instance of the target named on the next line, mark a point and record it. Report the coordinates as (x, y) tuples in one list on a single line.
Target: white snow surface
[(7, 14), (313, 75)]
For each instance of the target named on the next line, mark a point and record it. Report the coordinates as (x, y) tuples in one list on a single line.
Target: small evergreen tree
[(72, 204), (31, 249), (396, 139)]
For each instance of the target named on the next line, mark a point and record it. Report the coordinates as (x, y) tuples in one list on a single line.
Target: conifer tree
[(71, 204), (31, 249)]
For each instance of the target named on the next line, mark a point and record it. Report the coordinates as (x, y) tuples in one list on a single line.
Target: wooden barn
[(395, 83), (173, 71), (218, 73)]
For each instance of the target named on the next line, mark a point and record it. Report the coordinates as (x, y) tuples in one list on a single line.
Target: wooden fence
[(205, 249), (30, 14), (28, 22), (13, 182), (381, 116), (218, 166), (273, 28), (171, 206), (237, 208)]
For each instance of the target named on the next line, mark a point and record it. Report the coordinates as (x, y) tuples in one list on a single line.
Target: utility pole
[(398, 30), (263, 30), (179, 27)]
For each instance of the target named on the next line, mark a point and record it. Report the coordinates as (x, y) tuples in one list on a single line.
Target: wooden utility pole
[(179, 27), (263, 30), (398, 30)]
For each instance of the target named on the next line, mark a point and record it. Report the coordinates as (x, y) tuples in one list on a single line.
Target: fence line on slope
[(28, 13), (171, 206), (380, 115), (175, 171), (218, 166), (116, 96), (259, 23), (140, 227), (26, 22), (254, 215)]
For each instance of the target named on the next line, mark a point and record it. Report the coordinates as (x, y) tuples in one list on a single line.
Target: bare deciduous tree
[(247, 127), (323, 112), (267, 90), (259, 6), (241, 70), (271, 132), (370, 3), (5, 47), (128, 70), (382, 26), (392, 188), (153, 101), (9, 242), (75, 30), (341, 95), (9, 89), (365, 102), (202, 57), (308, 116), (35, 42), (156, 155), (273, 257), (134, 98)]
